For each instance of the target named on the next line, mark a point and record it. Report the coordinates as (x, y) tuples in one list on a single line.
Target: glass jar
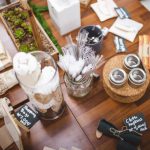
[(46, 97), (80, 88)]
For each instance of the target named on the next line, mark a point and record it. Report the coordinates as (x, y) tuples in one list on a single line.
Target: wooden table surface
[(78, 124)]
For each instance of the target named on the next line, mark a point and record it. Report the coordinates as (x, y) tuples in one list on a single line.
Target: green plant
[(18, 21), (29, 29), (24, 15), (19, 33), (24, 48), (24, 25)]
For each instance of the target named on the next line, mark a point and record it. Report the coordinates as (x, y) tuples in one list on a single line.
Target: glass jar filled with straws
[(79, 63), (78, 88)]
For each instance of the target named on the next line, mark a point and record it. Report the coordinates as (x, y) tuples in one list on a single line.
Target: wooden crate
[(43, 41)]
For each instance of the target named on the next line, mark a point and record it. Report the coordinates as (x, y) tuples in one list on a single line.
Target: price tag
[(136, 122), (26, 116)]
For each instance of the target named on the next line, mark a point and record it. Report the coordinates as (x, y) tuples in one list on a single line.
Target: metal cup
[(117, 77), (137, 76), (95, 36), (131, 61)]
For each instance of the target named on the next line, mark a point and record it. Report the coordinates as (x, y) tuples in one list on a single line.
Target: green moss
[(37, 11)]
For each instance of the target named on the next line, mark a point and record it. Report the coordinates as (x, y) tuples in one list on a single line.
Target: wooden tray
[(9, 30), (126, 93), (45, 42)]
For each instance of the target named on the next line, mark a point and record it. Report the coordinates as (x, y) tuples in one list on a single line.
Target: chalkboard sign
[(26, 116), (136, 122)]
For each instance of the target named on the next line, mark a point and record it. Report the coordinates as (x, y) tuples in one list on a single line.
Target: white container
[(65, 14)]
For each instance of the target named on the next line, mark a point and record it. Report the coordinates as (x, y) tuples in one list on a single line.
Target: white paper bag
[(65, 14)]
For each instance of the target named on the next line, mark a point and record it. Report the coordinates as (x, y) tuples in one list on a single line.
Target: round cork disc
[(127, 92)]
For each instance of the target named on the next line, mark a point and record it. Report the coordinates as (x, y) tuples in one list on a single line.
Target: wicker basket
[(127, 93)]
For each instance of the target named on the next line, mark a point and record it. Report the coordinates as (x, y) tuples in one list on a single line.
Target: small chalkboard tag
[(136, 122), (26, 116)]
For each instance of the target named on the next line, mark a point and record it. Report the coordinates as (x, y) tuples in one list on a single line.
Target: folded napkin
[(105, 9), (5, 59), (7, 81), (126, 28), (27, 68), (48, 80), (2, 51), (46, 91)]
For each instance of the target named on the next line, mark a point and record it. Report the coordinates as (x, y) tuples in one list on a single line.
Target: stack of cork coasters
[(126, 93)]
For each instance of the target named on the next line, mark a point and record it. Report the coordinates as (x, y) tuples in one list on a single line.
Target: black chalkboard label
[(136, 122), (26, 116)]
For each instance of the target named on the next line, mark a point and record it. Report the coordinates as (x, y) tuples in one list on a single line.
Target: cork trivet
[(122, 99), (126, 93)]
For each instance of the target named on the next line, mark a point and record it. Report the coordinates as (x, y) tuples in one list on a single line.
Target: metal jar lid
[(137, 76), (131, 61), (117, 76)]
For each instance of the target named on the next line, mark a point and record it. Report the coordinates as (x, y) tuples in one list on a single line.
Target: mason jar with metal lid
[(117, 77), (131, 61), (78, 88), (137, 77)]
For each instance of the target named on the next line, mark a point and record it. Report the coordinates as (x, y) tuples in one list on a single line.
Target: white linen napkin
[(126, 28), (48, 80), (105, 9), (5, 58), (27, 68)]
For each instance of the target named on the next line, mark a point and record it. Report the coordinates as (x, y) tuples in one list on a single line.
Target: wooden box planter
[(41, 38)]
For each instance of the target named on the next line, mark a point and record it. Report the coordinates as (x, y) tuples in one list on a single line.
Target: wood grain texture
[(78, 125)]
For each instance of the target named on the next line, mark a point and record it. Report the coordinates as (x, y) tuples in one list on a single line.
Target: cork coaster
[(126, 93)]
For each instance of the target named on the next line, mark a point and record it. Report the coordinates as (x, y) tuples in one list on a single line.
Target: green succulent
[(24, 25), (19, 33), (29, 29), (24, 48), (18, 22), (17, 10), (10, 12), (13, 18), (24, 15)]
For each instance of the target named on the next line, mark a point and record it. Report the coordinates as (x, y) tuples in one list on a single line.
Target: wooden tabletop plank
[(64, 132)]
